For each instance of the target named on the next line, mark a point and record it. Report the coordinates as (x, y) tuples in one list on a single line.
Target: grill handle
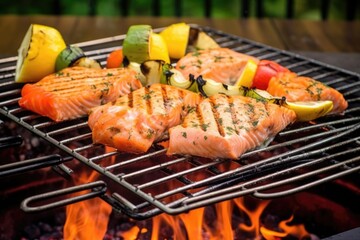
[(12, 141), (97, 188), (31, 164)]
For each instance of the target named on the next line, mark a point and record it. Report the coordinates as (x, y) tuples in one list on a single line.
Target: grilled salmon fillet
[(227, 126), (72, 92), (133, 122), (299, 88), (220, 64)]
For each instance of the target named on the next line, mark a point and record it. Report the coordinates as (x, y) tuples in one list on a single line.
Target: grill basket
[(141, 186)]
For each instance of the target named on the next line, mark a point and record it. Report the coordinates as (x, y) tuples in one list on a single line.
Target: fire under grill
[(302, 156)]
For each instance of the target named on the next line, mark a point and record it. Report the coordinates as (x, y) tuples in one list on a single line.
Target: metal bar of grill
[(142, 186)]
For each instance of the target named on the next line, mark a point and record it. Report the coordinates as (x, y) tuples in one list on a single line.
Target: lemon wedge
[(309, 110), (247, 74), (176, 37), (158, 48), (38, 52)]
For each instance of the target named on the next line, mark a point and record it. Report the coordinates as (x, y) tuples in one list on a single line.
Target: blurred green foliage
[(304, 9)]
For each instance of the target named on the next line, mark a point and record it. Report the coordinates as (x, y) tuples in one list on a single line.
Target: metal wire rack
[(300, 157)]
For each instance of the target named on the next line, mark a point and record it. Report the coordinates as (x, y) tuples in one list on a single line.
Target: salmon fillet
[(72, 92), (133, 122), (227, 126), (299, 88), (220, 64)]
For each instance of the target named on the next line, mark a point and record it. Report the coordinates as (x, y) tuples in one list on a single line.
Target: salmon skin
[(135, 121), (220, 64), (72, 92), (299, 88), (227, 126)]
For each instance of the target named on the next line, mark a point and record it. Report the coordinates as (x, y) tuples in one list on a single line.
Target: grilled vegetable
[(200, 40), (264, 96), (182, 38), (115, 59), (175, 78), (87, 62), (137, 67), (157, 71), (68, 57), (265, 71), (209, 87), (152, 70), (136, 45), (74, 56), (141, 44)]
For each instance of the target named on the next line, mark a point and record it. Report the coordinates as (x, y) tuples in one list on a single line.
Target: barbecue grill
[(302, 156)]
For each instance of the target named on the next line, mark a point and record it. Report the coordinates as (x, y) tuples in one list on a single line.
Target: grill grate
[(302, 156)]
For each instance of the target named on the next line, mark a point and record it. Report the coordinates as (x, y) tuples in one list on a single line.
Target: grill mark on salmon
[(72, 92), (132, 124), (220, 64), (300, 88), (227, 126)]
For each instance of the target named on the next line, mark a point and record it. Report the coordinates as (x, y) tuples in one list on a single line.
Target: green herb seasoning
[(114, 130), (59, 74), (204, 126), (150, 133)]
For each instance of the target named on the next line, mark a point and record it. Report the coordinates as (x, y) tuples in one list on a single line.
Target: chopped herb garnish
[(196, 53), (230, 129), (150, 133), (204, 126), (220, 120), (146, 96), (218, 58), (58, 74), (114, 130)]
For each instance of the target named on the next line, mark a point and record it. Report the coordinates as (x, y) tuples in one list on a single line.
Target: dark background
[(302, 9)]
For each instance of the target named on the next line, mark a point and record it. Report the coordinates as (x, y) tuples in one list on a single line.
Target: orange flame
[(297, 231), (87, 219), (221, 227), (254, 216)]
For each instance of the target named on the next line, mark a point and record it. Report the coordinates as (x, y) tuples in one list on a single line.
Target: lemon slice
[(158, 48), (309, 110), (247, 74), (176, 37), (38, 52)]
